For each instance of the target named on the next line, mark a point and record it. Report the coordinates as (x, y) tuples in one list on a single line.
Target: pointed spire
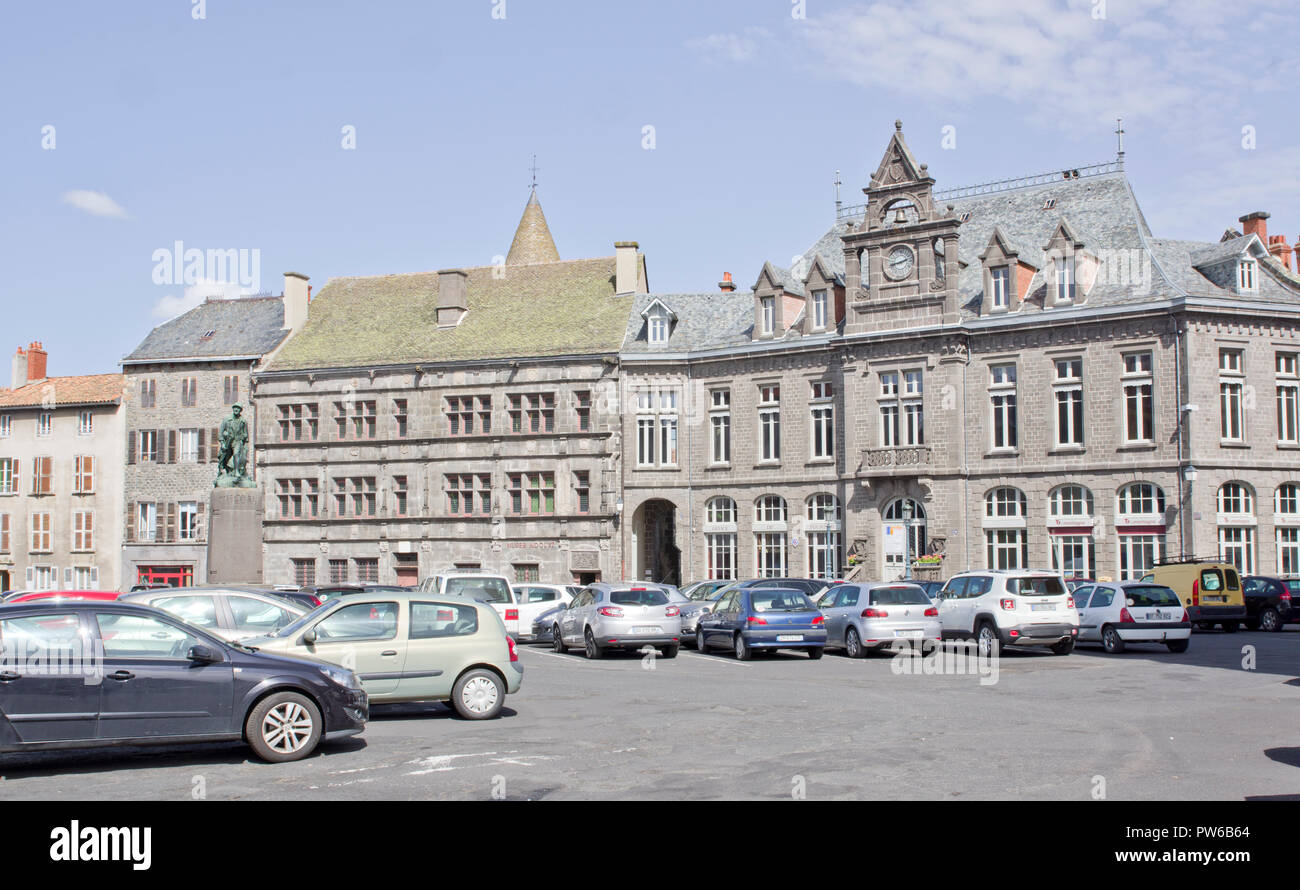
[(533, 242)]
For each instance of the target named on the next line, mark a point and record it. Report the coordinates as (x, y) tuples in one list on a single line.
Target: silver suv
[(1019, 608), (620, 616)]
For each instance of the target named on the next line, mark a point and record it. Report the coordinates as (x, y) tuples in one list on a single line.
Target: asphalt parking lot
[(1153, 725)]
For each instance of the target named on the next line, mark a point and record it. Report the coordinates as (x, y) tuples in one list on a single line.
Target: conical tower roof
[(533, 242)]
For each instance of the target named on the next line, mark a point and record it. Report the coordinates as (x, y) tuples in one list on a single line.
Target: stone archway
[(658, 557)]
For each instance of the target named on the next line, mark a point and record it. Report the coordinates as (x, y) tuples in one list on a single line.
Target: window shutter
[(88, 465), (4, 532), (130, 521), (67, 577), (169, 534), (130, 447), (216, 444), (171, 446), (31, 575), (17, 478), (203, 446), (76, 475), (94, 576), (198, 523)]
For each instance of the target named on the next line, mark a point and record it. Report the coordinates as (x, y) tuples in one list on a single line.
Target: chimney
[(625, 267), (1254, 224), (297, 294), (726, 285), (453, 297), (1297, 254), (1280, 250), (37, 358), (20, 368)]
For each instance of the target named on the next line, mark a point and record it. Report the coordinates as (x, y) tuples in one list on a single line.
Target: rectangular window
[(470, 415), (1064, 279), (83, 474), (1002, 401), (6, 425), (1138, 554), (148, 446), (189, 392), (1008, 548), (8, 475), (187, 442), (582, 491), (42, 475), (1288, 399), (299, 498), (187, 521), (354, 496), (1073, 555), (1232, 423), (582, 408), (527, 572), (41, 539), (532, 494), (230, 390), (769, 314), (720, 552), (146, 522), (1139, 408), (645, 441), (86, 423), (1000, 284), (769, 554), (148, 393), (468, 493), (299, 422), (819, 309), (83, 530), (823, 420), (1237, 546), (1067, 390), (824, 554), (399, 496), (399, 417), (769, 422), (367, 571), (720, 426), (304, 572), (338, 571), (1288, 551), (45, 423), (1246, 276), (656, 427)]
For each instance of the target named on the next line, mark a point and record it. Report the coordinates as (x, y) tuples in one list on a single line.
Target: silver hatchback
[(619, 616), (873, 616)]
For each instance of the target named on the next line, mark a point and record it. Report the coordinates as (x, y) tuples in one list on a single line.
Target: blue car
[(747, 619)]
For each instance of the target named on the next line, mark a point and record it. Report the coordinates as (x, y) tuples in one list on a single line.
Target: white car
[(1117, 615), (534, 599), (1009, 608), (495, 590), (229, 613)]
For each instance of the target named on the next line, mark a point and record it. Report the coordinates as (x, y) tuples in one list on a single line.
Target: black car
[(1269, 602), (98, 674), (326, 592)]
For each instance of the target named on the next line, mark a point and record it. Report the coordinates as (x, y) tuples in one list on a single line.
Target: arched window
[(1286, 501), (1141, 499), (1006, 503), (720, 510), (720, 544), (1286, 522), (770, 508), (770, 546), (1006, 538), (1074, 552), (1236, 499), (823, 508), (1140, 520), (823, 533), (1071, 500)]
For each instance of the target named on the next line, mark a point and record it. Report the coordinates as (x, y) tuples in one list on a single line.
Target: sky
[(362, 138)]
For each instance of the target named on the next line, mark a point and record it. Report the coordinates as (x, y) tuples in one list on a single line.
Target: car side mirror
[(204, 654), (309, 637)]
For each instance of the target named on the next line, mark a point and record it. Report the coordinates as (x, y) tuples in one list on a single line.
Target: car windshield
[(1211, 580), (902, 595), (1043, 585), (488, 590), (290, 629), (1151, 596), (647, 596), (780, 601)]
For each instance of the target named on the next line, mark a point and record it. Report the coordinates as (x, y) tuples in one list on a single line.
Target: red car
[(70, 595)]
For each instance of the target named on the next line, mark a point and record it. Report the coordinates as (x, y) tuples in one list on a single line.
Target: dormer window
[(769, 315), (1246, 280), (658, 323), (819, 310), (1000, 287), (1064, 279)]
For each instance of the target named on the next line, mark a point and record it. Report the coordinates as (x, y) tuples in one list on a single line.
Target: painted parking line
[(713, 659)]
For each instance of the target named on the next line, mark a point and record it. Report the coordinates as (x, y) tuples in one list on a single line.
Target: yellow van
[(1211, 591)]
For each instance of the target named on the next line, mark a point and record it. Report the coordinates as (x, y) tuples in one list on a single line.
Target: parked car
[(325, 592), (1075, 583), (159, 681), (703, 590), (931, 588), (540, 631), (230, 613), (868, 617), (1117, 615), (409, 646), (1270, 602), (1017, 608), (70, 595), (747, 619), (627, 615), (1211, 591), (486, 588), (532, 600)]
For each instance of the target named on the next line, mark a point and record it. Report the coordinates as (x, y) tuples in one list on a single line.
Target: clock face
[(899, 263)]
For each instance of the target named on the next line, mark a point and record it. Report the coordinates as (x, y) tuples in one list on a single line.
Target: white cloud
[(729, 47), (173, 305), (95, 203)]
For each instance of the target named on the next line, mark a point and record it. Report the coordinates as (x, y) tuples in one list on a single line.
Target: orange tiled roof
[(88, 389)]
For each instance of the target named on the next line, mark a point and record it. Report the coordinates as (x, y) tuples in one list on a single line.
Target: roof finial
[(898, 124), (838, 203), (1119, 132), (534, 171)]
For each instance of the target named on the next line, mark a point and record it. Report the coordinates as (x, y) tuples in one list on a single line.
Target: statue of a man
[(232, 459)]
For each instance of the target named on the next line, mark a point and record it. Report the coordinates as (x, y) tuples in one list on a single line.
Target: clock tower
[(900, 257)]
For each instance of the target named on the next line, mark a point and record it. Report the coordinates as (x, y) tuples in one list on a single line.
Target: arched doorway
[(654, 530), (893, 536)]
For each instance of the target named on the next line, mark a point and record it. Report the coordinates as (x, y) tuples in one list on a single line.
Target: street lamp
[(907, 540)]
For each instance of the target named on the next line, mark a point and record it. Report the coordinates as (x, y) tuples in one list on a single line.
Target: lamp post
[(907, 540), (1188, 535)]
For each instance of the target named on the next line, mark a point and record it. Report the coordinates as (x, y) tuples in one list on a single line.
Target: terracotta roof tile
[(88, 389)]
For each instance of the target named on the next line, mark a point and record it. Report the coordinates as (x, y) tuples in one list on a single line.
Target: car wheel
[(668, 651), (1177, 645), (852, 644), (699, 639), (478, 695), (1065, 647), (284, 726), (815, 652), (557, 641), (1270, 620), (986, 641), (1230, 627), (743, 652), (1111, 640), (593, 648)]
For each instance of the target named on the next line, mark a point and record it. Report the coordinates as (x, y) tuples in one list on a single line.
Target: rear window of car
[(488, 590), (1211, 579), (1044, 585), (650, 596), (1293, 586), (780, 601), (902, 595), (1151, 596)]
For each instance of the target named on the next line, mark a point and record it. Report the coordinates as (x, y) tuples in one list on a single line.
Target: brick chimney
[(1297, 254), (1280, 250), (726, 285), (1254, 224), (20, 368), (297, 295), (37, 359), (453, 297)]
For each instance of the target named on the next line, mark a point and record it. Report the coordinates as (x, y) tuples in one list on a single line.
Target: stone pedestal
[(235, 536)]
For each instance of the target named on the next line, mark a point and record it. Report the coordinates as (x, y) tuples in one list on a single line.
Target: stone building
[(181, 382), (1022, 366), (60, 477), (463, 418)]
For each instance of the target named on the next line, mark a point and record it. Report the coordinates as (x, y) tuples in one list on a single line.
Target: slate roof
[(1213, 254), (533, 242), (536, 310), (241, 327), (704, 321), (87, 389)]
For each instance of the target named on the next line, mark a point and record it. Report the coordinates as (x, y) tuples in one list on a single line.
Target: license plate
[(790, 638), (909, 633), (1215, 599), (645, 630), (1042, 607)]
